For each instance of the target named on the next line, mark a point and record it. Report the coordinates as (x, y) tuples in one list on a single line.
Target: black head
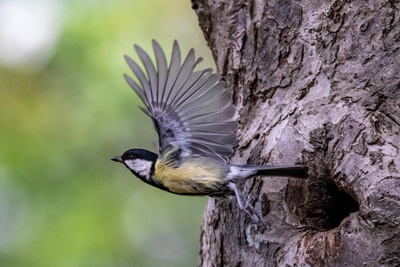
[(139, 161), (137, 153)]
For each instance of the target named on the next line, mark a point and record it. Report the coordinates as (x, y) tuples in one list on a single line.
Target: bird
[(193, 114)]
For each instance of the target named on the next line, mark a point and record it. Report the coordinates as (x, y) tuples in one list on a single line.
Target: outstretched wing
[(191, 110)]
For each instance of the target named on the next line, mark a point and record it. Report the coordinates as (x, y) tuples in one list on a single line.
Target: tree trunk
[(316, 83)]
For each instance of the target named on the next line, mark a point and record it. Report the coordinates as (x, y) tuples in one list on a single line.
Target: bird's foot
[(255, 216)]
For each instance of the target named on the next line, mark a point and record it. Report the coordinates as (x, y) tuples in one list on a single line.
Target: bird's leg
[(254, 215)]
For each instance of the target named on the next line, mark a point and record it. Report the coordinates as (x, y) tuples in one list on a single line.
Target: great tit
[(193, 115)]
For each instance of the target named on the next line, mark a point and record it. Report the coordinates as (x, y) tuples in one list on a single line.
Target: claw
[(255, 215)]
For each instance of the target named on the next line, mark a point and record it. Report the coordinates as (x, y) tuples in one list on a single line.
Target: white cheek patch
[(140, 166)]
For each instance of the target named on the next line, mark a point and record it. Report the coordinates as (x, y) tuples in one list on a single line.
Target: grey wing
[(191, 110)]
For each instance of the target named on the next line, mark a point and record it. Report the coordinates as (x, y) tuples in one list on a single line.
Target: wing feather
[(150, 70), (173, 72), (138, 90), (190, 109), (161, 67), (145, 86)]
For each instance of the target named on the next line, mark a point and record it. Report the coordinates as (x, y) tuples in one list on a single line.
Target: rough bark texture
[(318, 83)]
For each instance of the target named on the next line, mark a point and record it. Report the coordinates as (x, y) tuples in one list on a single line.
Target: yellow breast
[(197, 176)]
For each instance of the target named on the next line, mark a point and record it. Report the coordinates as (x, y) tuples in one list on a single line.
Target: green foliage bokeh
[(62, 201)]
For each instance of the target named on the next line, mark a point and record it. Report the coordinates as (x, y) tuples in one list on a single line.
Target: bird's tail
[(297, 171)]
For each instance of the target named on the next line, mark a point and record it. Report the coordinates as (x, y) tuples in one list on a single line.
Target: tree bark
[(316, 83)]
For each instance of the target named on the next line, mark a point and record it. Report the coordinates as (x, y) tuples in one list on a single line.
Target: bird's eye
[(131, 157)]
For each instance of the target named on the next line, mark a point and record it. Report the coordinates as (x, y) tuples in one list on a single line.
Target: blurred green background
[(65, 110)]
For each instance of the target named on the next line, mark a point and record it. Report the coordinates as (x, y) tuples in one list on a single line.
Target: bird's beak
[(117, 159)]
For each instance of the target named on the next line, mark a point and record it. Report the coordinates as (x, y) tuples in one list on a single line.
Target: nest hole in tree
[(320, 203)]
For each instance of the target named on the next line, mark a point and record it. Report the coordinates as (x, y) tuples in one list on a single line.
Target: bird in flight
[(193, 115)]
